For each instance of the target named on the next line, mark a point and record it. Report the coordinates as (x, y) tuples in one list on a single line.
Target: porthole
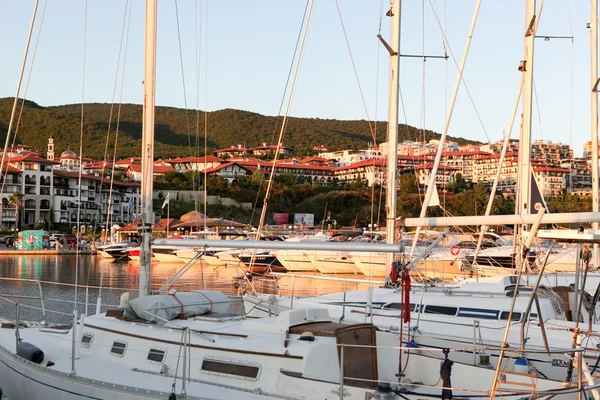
[(118, 348), (156, 355)]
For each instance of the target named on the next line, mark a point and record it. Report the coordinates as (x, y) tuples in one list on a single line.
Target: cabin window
[(477, 313), (86, 340), (400, 306), (231, 368), (443, 310), (156, 355), (516, 316), (118, 348)]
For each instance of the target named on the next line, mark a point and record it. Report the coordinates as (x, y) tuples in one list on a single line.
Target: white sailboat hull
[(295, 260), (333, 262)]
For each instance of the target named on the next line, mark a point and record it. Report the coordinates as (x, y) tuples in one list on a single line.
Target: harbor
[(414, 269)]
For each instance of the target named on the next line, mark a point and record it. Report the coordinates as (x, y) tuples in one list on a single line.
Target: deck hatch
[(86, 340)]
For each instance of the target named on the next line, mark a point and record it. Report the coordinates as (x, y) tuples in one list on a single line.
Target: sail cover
[(165, 307)]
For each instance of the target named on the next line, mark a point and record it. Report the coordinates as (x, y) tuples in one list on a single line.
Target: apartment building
[(550, 153)]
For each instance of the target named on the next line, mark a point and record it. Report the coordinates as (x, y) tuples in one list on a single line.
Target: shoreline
[(46, 252)]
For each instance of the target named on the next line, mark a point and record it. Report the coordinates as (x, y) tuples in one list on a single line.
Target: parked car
[(5, 238), (10, 241)]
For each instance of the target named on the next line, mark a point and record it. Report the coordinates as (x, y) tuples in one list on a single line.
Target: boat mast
[(392, 150), (594, 83), (147, 222), (524, 181)]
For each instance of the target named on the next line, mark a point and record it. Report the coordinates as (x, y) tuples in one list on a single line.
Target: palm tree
[(17, 200)]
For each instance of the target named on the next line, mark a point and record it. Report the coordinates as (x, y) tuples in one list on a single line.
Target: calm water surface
[(115, 278)]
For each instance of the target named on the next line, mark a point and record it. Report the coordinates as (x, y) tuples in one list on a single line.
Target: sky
[(237, 54)]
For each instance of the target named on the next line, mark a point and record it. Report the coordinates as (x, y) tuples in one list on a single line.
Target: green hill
[(225, 128)]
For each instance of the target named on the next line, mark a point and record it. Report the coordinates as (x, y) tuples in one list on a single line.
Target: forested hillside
[(176, 132)]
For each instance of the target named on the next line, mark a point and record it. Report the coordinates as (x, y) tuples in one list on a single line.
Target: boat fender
[(521, 365), (455, 250), (30, 352)]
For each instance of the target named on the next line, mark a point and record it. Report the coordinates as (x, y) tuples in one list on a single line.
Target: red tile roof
[(157, 169), (30, 157)]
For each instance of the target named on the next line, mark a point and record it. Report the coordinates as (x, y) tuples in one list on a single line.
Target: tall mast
[(594, 93), (147, 222), (392, 150), (524, 188)]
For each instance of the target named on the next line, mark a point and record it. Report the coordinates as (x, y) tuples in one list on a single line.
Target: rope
[(209, 300)]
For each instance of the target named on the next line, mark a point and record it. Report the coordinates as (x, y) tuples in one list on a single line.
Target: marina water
[(56, 275)]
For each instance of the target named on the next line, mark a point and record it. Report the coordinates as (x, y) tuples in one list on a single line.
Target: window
[(156, 355), (430, 309), (516, 316), (86, 340), (118, 348), (235, 369)]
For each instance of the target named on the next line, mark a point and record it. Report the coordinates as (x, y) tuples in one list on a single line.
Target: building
[(134, 171), (348, 157), (550, 153), (444, 176), (550, 180), (194, 163), (233, 151), (268, 151), (229, 170), (36, 187)]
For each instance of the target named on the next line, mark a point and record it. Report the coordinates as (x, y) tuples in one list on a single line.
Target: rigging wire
[(112, 175), (37, 42), (462, 77), (283, 125), (109, 214), (77, 237), (205, 109), (377, 113), (16, 100), (185, 105), (287, 82), (537, 106), (2, 186), (356, 74), (572, 83), (198, 24)]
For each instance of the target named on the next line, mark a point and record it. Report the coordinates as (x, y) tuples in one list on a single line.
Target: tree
[(17, 200)]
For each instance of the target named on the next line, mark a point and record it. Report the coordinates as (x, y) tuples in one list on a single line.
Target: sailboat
[(166, 346)]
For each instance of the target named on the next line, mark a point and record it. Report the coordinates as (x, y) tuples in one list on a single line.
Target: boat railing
[(13, 298)]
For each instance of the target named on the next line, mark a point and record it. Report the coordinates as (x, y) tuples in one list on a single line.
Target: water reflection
[(94, 272)]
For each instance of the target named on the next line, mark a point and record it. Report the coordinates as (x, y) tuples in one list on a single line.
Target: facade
[(193, 163), (550, 180), (230, 171), (52, 194), (550, 153), (349, 157)]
